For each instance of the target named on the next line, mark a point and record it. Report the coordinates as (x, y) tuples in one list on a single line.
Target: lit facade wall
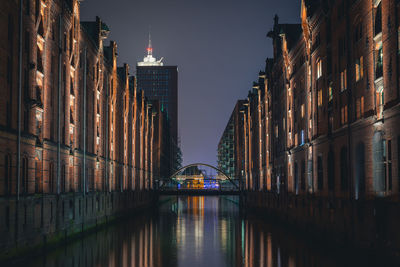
[(330, 104), (80, 123)]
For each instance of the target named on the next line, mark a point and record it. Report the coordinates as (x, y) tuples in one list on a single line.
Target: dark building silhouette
[(160, 83)]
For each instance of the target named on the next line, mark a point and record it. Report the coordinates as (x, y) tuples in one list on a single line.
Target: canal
[(193, 231)]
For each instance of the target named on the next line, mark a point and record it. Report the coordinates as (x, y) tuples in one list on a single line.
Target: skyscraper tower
[(160, 83)]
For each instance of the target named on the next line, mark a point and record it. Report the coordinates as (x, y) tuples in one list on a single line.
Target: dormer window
[(358, 32)]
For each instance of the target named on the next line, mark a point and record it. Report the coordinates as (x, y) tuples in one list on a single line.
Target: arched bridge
[(199, 179)]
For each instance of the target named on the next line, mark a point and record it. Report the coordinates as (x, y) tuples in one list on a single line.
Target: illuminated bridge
[(199, 179)]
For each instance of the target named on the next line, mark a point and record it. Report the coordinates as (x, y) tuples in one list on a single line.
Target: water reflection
[(191, 231)]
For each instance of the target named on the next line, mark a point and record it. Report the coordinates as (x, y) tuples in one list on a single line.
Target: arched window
[(296, 178), (357, 30), (52, 185), (7, 174), (378, 148), (331, 171), (38, 176), (360, 171), (320, 174), (71, 179), (344, 181), (63, 180), (303, 175), (80, 180), (94, 187), (24, 176)]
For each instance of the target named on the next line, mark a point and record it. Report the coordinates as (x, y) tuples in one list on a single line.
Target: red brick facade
[(84, 126), (95, 115), (332, 129), (332, 113)]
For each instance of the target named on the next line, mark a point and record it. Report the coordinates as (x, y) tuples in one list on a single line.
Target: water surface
[(194, 231)]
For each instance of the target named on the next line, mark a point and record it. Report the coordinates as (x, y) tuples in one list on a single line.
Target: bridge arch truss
[(199, 177)]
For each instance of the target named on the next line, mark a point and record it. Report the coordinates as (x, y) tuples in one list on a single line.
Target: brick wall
[(75, 144)]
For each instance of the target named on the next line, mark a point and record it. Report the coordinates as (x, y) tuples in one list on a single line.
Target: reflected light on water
[(188, 231)]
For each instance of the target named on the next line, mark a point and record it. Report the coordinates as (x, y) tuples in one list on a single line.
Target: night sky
[(219, 47)]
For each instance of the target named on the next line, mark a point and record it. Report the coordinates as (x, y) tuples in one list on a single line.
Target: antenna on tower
[(149, 60), (149, 47)]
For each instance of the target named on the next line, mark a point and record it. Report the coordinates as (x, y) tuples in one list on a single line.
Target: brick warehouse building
[(78, 142), (322, 131)]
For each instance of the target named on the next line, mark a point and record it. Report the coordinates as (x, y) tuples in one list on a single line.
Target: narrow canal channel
[(191, 231)]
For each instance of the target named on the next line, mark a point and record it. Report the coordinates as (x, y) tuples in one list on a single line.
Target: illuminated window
[(330, 92), (302, 110), (319, 98), (343, 80), (359, 68), (319, 68)]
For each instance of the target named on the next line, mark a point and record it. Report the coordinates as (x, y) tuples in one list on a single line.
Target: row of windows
[(359, 74), (96, 205), (39, 178), (344, 168), (382, 166), (158, 77), (92, 185)]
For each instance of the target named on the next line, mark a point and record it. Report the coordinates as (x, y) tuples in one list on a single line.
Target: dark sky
[(219, 47)]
